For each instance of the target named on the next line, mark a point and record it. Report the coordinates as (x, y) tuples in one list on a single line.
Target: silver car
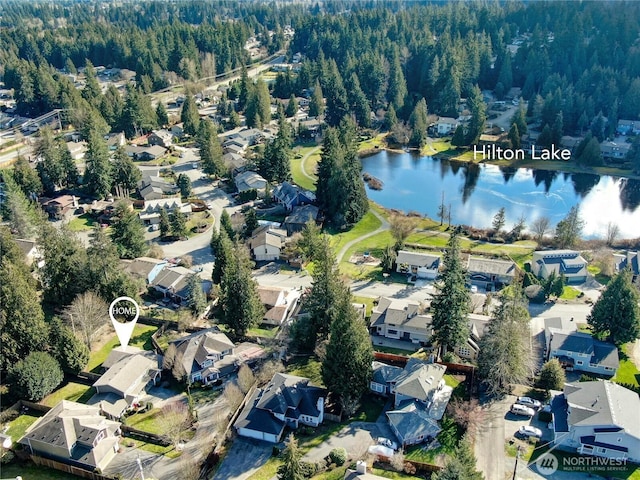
[(529, 402), (527, 431)]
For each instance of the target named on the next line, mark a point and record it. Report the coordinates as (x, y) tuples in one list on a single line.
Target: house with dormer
[(197, 357), (286, 401), (75, 434), (291, 196), (560, 262), (150, 213), (400, 319), (598, 418), (630, 261), (418, 264)]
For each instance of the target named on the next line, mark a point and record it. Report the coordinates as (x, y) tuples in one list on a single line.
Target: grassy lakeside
[(140, 338), (310, 163), (366, 225)]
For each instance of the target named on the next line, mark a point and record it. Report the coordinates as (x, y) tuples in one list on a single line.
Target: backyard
[(18, 426), (75, 392), (140, 338)]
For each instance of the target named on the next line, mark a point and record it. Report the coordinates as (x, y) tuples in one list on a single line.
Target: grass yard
[(310, 164), (18, 426), (526, 449), (31, 471), (627, 372), (265, 331), (308, 367), (393, 350), (335, 474), (376, 142), (141, 338), (200, 220), (75, 392), (169, 452), (394, 475), (569, 293), (82, 223), (367, 301), (370, 409), (367, 224)]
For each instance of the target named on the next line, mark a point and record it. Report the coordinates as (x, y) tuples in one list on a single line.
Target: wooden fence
[(145, 436), (63, 467)]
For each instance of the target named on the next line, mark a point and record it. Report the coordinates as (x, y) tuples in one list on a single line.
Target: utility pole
[(515, 468)]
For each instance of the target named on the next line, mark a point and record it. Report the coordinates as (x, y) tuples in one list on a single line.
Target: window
[(579, 362), (610, 369), (392, 332), (464, 351), (602, 450)]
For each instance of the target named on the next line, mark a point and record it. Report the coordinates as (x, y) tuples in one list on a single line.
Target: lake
[(476, 192)]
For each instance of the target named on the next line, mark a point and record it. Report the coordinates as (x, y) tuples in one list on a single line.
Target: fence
[(148, 437), (63, 467)]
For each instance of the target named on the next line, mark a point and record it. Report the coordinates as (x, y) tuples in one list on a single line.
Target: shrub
[(9, 415), (149, 406), (36, 376), (275, 451), (308, 469), (338, 456)]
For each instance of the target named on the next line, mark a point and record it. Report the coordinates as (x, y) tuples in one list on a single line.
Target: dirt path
[(384, 226)]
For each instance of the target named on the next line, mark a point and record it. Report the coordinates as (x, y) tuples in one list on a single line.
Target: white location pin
[(124, 318)]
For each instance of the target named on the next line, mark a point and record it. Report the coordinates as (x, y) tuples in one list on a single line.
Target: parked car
[(527, 431), (385, 442), (518, 409), (529, 402)]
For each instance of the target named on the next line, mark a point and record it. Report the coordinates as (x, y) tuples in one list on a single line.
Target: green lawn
[(335, 474), (367, 224), (394, 475), (81, 223), (169, 452), (150, 421), (309, 166), (370, 409), (367, 301), (30, 471), (18, 426), (526, 449), (393, 350), (569, 293), (308, 367), (141, 338), (76, 392), (627, 372), (372, 143), (264, 331)]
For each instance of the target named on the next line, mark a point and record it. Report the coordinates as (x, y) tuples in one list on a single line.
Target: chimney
[(361, 467)]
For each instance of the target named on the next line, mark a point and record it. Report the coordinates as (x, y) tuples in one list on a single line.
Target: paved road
[(243, 459), (489, 444)]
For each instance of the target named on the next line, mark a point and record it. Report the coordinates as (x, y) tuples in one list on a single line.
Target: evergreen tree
[(165, 225), (245, 87), (461, 465), (184, 184), (505, 349), (478, 115), (178, 223), (222, 249), (210, 148), (451, 305), (569, 229), (418, 123), (346, 368), (275, 165), (336, 96), (225, 223), (258, 111), (196, 299), (97, 177), (459, 138), (514, 136), (591, 155), (358, 102), (557, 129), (552, 376), (498, 221), (127, 232), (519, 119), (250, 222), (23, 215), (390, 118), (35, 376), (161, 115), (26, 178), (71, 353), (91, 91), (241, 306), (316, 104), (397, 88), (615, 316), (125, 174), (292, 106), (291, 468), (189, 115), (68, 166)]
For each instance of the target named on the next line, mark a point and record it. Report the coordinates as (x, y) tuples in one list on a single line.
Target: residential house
[(177, 130), (312, 127), (235, 145), (233, 161), (286, 400), (360, 473), (292, 196), (446, 125), (614, 152), (152, 187), (60, 207), (598, 418), (628, 127), (150, 214), (416, 264), (299, 217), (173, 283), (31, 252), (400, 319), (125, 382), (199, 356), (77, 150), (419, 381), (630, 261), (250, 181), (75, 434), (561, 262), (384, 378), (144, 267), (147, 153), (266, 243), (279, 303), (478, 326), (570, 143), (115, 140), (248, 136), (580, 351), (164, 138), (490, 273)]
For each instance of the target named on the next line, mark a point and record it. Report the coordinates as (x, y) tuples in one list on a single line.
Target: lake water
[(476, 192)]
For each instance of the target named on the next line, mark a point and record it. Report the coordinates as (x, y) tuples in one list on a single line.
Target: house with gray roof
[(580, 351), (384, 378), (146, 268), (598, 418), (266, 243), (299, 217), (197, 357), (419, 381), (418, 264), (292, 196), (75, 434), (125, 382), (412, 424), (489, 273), (561, 262), (249, 180), (286, 400), (630, 261), (400, 319), (173, 283)]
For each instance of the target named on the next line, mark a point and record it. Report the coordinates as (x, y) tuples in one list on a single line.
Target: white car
[(529, 402), (385, 442), (518, 409), (529, 431)]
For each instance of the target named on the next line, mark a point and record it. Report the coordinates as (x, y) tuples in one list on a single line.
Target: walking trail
[(384, 226), (304, 159)]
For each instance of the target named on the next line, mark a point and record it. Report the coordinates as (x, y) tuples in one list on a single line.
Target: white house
[(150, 214), (561, 262), (279, 303), (266, 243), (446, 125), (420, 265), (400, 319), (250, 181), (598, 418)]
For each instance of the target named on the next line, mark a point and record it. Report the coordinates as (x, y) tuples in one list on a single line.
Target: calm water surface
[(476, 192)]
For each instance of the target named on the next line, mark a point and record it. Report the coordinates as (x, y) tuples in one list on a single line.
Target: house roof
[(156, 205), (560, 323), (249, 180), (124, 375), (426, 260), (291, 396), (412, 421), (171, 277), (287, 193), (194, 349), (491, 266), (568, 262), (301, 215), (630, 261), (72, 426), (266, 238), (398, 312), (605, 354), (109, 403), (383, 373), (142, 266), (572, 342), (271, 295), (446, 120), (118, 353), (419, 379), (26, 246), (254, 418), (602, 403)]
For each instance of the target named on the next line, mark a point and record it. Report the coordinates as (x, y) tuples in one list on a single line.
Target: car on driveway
[(385, 442), (518, 409), (527, 431), (529, 402)]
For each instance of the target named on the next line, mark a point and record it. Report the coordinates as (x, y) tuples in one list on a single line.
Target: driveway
[(489, 444), (244, 458)]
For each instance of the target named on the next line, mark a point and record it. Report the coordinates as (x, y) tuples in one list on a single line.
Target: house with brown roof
[(74, 434), (279, 303), (146, 268), (266, 243), (60, 207)]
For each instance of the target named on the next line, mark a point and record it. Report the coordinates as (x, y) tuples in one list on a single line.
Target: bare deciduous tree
[(233, 395), (613, 232), (540, 227), (86, 314), (268, 370), (397, 461), (401, 227), (468, 415), (155, 251), (175, 420), (246, 378), (189, 467)]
